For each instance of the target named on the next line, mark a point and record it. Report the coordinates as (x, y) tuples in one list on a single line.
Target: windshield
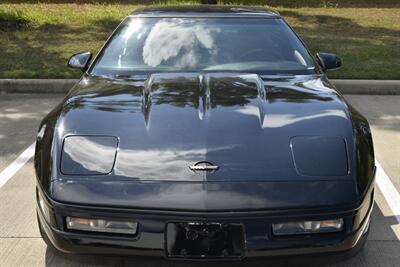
[(148, 45)]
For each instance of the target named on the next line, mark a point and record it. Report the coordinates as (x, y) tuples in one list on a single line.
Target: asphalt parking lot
[(21, 245)]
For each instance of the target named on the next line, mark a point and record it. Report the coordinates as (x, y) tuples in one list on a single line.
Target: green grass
[(36, 40)]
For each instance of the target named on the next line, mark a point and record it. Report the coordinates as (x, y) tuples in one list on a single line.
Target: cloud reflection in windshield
[(178, 41)]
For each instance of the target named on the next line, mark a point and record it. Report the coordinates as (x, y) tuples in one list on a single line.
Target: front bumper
[(151, 240)]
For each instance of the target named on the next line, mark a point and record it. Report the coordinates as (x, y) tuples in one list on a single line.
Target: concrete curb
[(368, 87), (61, 86), (41, 86)]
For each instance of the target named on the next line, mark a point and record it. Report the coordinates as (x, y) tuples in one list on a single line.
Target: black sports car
[(204, 132)]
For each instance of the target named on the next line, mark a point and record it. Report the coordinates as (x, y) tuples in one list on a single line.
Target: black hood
[(279, 142), (239, 122)]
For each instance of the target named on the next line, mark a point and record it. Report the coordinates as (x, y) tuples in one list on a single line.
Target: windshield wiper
[(129, 77)]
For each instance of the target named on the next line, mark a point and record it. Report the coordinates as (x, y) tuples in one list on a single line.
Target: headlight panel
[(88, 155), (320, 156), (102, 225), (307, 227)]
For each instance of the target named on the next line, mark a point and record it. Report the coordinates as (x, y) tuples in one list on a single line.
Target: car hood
[(254, 128)]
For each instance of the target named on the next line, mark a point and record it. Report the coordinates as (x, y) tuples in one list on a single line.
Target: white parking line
[(17, 164), (388, 190)]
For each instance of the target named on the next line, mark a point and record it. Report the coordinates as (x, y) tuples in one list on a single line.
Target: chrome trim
[(207, 167)]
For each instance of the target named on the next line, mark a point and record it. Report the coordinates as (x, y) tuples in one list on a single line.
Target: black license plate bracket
[(204, 240)]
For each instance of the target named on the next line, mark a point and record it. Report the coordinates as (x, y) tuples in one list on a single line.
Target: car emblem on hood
[(204, 166)]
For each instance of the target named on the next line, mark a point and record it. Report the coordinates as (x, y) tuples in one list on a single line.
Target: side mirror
[(80, 61), (329, 61)]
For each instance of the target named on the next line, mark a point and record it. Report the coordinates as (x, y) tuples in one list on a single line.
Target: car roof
[(205, 11)]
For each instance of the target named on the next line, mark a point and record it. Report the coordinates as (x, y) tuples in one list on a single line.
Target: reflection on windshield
[(194, 44), (180, 41), (133, 27)]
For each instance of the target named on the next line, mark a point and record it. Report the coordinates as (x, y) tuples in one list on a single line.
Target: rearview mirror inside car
[(80, 61), (329, 61)]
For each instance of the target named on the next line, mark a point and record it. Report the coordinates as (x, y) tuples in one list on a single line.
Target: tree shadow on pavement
[(381, 111), (20, 116)]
